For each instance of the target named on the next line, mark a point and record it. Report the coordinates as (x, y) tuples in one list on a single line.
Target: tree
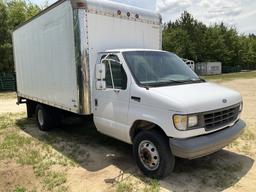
[(180, 43), (194, 40), (12, 14), (4, 45), (3, 23)]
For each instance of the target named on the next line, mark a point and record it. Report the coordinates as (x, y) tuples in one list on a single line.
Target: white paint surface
[(45, 58)]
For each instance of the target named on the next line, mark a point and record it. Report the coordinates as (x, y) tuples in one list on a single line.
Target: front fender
[(153, 115)]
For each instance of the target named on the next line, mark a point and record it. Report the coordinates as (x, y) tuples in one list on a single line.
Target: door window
[(115, 75)]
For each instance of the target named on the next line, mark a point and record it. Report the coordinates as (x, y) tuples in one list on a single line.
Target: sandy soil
[(105, 162), (17, 175), (8, 103)]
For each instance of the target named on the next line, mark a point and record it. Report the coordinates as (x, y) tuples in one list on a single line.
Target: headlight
[(180, 122), (192, 121), (183, 122)]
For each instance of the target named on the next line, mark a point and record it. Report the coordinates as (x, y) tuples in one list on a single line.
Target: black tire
[(160, 141), (44, 118)]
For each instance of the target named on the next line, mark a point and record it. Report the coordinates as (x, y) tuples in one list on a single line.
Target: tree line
[(187, 37), (192, 39), (12, 14)]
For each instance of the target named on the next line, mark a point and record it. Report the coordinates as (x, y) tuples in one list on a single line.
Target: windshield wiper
[(185, 81), (201, 79), (194, 80), (159, 83)]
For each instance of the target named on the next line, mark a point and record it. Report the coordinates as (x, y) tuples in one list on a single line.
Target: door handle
[(136, 98)]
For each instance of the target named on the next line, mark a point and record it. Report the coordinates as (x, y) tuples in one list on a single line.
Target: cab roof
[(130, 49)]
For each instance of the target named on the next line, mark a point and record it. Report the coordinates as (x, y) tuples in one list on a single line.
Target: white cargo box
[(55, 52)]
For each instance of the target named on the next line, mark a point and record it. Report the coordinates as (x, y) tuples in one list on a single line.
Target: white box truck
[(99, 58)]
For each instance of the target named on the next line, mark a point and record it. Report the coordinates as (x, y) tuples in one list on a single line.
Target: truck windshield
[(156, 68)]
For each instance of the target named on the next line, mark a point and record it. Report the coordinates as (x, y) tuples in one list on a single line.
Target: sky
[(238, 13)]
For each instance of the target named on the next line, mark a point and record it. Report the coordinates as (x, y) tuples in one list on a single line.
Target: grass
[(41, 168), (231, 76), (13, 140), (148, 185), (13, 145), (54, 180), (9, 119), (31, 158), (153, 186), (20, 189), (27, 150), (124, 187)]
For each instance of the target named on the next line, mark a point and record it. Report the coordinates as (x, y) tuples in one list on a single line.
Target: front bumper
[(200, 146)]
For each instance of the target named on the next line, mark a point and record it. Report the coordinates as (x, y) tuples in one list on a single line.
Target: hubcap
[(40, 117), (148, 155)]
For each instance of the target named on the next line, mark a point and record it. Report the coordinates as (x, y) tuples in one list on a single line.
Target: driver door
[(111, 104)]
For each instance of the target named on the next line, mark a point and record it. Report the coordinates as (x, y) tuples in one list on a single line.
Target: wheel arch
[(142, 125)]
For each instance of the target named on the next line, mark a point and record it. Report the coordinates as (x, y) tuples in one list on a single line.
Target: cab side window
[(115, 75)]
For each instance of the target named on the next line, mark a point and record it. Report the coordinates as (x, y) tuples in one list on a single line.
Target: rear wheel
[(153, 154), (44, 118)]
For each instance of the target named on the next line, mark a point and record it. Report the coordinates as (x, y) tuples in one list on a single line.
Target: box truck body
[(104, 59), (55, 52)]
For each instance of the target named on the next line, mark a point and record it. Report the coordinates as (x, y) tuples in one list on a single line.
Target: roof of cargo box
[(111, 8), (108, 8)]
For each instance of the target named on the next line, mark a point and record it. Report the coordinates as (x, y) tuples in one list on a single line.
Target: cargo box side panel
[(45, 59)]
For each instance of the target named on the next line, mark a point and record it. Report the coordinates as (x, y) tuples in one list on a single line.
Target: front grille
[(219, 118)]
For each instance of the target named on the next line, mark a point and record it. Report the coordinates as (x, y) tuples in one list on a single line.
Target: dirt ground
[(104, 164)]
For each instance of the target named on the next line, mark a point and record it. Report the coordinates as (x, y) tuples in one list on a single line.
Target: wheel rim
[(40, 117), (148, 155)]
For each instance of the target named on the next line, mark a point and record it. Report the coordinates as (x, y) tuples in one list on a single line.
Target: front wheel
[(153, 154)]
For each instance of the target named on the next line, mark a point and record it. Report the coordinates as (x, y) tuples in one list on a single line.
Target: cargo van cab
[(152, 99)]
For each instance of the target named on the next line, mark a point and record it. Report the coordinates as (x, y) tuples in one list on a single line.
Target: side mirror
[(100, 85), (100, 71)]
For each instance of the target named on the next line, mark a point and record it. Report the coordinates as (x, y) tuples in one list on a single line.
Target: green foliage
[(153, 186), (124, 187), (192, 39), (3, 23), (19, 189), (12, 14)]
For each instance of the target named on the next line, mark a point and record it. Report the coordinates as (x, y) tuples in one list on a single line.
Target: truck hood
[(194, 98)]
